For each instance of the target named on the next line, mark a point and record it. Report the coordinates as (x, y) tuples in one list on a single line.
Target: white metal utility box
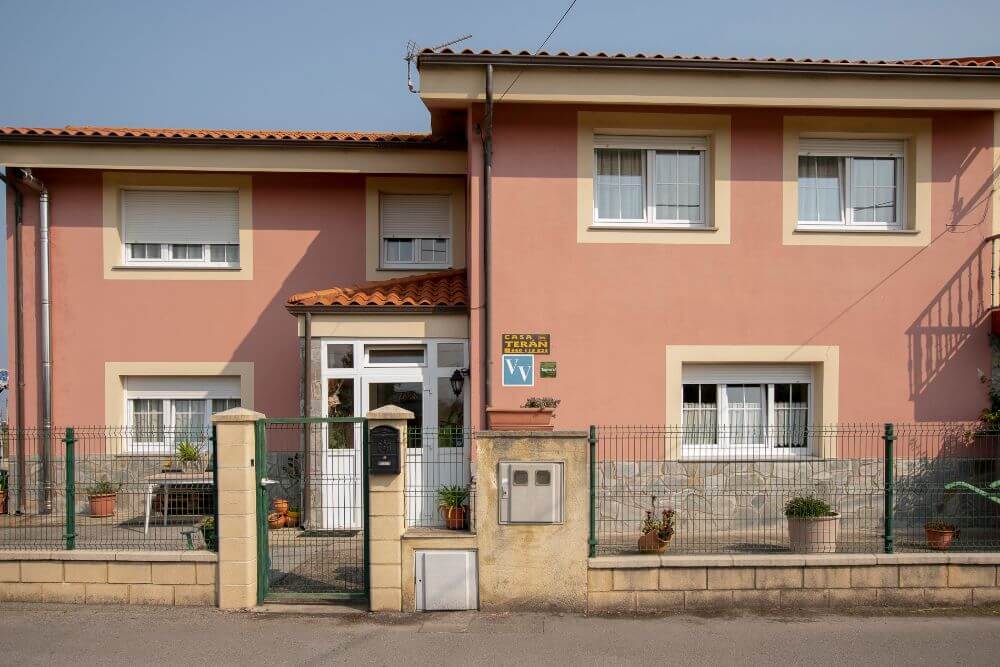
[(445, 580), (531, 492)]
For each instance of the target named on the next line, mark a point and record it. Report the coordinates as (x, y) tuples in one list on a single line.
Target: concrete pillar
[(237, 480), (387, 518)]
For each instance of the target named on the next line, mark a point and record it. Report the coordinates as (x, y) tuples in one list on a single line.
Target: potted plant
[(3, 491), (940, 534), (209, 533), (292, 518), (189, 456), (102, 495), (275, 520), (534, 415), (656, 533), (812, 525), (451, 501), (281, 506)]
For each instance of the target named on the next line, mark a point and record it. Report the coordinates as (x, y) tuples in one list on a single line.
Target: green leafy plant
[(103, 487), (3, 481), (807, 507), (188, 452), (452, 496), (542, 402), (208, 523), (990, 416), (664, 526), (940, 525)]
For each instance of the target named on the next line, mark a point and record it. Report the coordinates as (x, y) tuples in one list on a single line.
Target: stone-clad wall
[(675, 583), (154, 577)]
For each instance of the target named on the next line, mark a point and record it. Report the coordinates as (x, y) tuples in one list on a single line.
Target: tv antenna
[(411, 55)]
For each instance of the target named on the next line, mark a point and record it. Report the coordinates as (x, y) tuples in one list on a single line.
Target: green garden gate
[(312, 509)]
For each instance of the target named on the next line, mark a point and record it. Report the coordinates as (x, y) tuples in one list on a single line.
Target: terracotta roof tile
[(983, 62), (441, 288), (207, 135)]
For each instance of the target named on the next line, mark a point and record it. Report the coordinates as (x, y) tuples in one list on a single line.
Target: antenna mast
[(411, 55)]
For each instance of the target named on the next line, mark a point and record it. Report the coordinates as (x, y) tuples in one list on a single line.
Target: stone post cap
[(236, 415), (389, 412)]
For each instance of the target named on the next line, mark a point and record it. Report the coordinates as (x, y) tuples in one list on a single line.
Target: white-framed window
[(181, 228), (162, 412), (415, 230), (652, 181), (855, 184), (746, 411)]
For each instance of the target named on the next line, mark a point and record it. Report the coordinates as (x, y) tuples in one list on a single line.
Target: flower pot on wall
[(650, 543), (940, 539), (520, 419), (813, 535), (103, 504)]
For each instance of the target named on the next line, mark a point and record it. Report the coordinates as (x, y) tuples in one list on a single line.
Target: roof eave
[(301, 309), (521, 60), (248, 143)]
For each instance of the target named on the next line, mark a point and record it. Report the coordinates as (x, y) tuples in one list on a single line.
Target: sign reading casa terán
[(526, 343)]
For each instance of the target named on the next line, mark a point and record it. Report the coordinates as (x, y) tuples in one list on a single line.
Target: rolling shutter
[(415, 216), (226, 386), (852, 147), (662, 143), (180, 216), (746, 373)]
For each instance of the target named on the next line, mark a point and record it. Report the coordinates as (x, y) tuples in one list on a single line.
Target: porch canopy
[(440, 291)]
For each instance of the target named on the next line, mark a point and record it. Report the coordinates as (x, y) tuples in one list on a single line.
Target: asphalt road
[(90, 635)]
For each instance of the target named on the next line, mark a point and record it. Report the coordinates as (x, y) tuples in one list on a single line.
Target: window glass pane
[(340, 403), (147, 419), (677, 186), (619, 187), (745, 413), (395, 355), (885, 205), (451, 355), (821, 180), (406, 395), (228, 253), (190, 423), (873, 191), (223, 404), (340, 355), (145, 250), (451, 415), (791, 414), (699, 415), (187, 251), (433, 251)]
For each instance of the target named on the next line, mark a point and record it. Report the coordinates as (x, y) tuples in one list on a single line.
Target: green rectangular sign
[(547, 369)]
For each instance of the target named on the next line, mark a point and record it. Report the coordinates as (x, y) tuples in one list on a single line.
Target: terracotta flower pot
[(281, 506), (650, 543), (520, 419), (813, 535), (940, 539), (275, 520), (3, 502), (292, 519), (454, 517), (103, 505)]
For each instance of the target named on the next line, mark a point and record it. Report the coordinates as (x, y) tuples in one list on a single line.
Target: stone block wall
[(182, 578), (679, 583)]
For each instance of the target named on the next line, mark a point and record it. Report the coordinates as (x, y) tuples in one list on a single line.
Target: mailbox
[(531, 492), (383, 450)]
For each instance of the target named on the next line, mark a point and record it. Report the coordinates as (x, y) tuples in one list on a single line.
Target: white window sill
[(647, 227), (415, 267), (845, 229), (171, 267)]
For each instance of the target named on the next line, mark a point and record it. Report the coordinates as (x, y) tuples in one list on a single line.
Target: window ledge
[(649, 228), (416, 267), (747, 459), (127, 267), (848, 230)]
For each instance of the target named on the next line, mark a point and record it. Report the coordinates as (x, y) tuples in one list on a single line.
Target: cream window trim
[(117, 266), (670, 130), (908, 138), (377, 186)]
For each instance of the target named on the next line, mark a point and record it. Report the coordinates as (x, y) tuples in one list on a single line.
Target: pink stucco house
[(704, 241)]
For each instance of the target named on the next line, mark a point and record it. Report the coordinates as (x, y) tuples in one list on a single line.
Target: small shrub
[(806, 507), (452, 496), (940, 525), (542, 402), (664, 526), (103, 488), (188, 452)]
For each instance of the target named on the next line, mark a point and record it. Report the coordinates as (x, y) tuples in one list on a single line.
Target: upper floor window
[(180, 228), (415, 231), (653, 181), (853, 184)]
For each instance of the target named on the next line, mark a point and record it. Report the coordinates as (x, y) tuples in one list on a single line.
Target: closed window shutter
[(660, 143), (182, 387), (851, 147), (746, 373), (415, 216), (180, 216)]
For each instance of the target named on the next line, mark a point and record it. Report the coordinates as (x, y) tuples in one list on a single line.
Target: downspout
[(487, 226), (17, 269), (45, 316), (306, 491)]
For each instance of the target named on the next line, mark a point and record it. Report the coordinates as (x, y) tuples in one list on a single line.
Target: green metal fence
[(114, 488), (726, 490)]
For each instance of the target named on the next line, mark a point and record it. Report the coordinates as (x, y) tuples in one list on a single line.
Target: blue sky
[(337, 65)]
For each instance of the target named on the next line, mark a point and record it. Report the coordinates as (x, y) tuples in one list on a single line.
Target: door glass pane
[(406, 395), (451, 415), (451, 355), (395, 355), (340, 403), (340, 355)]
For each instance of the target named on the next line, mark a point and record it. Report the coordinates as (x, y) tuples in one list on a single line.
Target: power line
[(541, 46)]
